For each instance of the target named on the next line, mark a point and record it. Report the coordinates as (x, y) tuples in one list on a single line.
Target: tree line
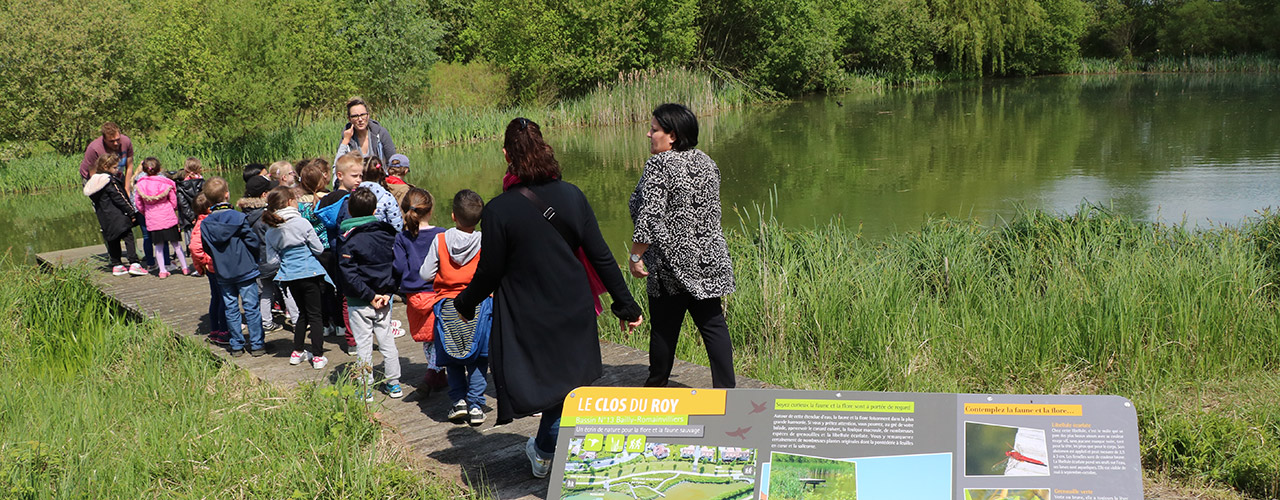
[(222, 71)]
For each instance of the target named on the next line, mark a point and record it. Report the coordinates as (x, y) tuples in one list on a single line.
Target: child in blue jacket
[(234, 247)]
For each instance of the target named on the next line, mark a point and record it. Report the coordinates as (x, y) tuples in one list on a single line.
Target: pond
[(1196, 148)]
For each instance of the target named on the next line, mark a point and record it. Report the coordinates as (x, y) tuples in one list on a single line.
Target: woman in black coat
[(544, 341)]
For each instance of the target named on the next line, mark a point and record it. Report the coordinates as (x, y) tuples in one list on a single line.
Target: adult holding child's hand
[(679, 246), (544, 342)]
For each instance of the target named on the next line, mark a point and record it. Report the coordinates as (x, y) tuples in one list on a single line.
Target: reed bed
[(1189, 64), (1086, 303), (96, 406), (630, 99)]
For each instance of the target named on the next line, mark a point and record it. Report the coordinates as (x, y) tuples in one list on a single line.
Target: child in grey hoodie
[(293, 242)]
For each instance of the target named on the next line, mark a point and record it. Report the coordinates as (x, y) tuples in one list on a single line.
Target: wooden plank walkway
[(485, 457)]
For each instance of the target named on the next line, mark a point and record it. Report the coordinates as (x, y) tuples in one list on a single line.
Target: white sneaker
[(318, 362), (397, 333), (136, 269), (477, 416), (459, 411), (539, 466), (298, 357)]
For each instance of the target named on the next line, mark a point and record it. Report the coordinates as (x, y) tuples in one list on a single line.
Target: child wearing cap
[(397, 168)]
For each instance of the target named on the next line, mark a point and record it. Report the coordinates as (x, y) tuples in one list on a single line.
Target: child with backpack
[(156, 197), (233, 247)]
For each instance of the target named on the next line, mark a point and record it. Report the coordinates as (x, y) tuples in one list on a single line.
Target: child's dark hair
[(416, 205), (106, 163), (252, 169), (201, 204), (215, 190), (151, 165), (362, 202), (312, 175), (532, 159), (466, 208), (278, 198), (373, 171)]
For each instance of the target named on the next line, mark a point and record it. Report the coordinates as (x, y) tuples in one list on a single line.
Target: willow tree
[(978, 35)]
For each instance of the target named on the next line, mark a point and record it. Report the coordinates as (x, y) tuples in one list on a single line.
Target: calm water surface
[(1169, 148)]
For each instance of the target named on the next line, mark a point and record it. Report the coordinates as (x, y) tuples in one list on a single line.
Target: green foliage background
[(234, 71)]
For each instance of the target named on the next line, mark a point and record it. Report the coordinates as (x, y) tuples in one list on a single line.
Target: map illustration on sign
[(640, 470)]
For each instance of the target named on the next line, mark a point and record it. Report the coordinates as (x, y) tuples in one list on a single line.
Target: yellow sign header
[(595, 401), (1031, 410)]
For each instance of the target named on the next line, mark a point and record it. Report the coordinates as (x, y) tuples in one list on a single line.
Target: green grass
[(1086, 303), (629, 99), (1192, 64), (93, 405)]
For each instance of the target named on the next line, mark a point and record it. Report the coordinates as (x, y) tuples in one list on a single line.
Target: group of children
[(161, 204), (335, 260)]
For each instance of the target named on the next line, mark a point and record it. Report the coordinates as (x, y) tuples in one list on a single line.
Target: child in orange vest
[(462, 347)]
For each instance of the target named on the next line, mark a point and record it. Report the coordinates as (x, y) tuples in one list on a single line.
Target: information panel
[(774, 444)]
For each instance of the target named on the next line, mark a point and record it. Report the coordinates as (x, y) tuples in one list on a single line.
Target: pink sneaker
[(186, 271), (136, 269), (119, 271), (163, 274)]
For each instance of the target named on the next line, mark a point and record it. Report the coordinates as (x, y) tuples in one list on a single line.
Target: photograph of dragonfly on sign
[(1000, 450)]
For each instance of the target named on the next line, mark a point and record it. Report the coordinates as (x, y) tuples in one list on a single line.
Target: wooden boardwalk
[(484, 457)]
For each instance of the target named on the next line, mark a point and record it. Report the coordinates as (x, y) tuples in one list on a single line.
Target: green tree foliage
[(65, 64), (203, 71)]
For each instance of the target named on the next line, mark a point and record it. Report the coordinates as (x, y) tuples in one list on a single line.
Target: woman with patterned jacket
[(679, 245)]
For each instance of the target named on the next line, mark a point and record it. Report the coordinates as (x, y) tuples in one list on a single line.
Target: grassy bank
[(473, 114), (96, 406), (1182, 322), (1193, 64)]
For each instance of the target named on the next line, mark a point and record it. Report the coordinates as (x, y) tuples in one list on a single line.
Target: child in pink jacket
[(157, 197)]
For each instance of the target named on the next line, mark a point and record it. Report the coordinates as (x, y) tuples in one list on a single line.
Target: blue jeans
[(234, 295), (548, 432), (217, 310), (467, 382)]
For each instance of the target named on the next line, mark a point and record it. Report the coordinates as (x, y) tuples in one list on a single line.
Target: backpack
[(330, 214)]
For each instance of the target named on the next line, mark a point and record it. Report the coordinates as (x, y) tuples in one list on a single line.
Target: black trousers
[(130, 248), (666, 314), (306, 293)]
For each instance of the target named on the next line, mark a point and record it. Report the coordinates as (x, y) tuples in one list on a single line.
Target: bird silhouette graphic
[(741, 433), (758, 407)]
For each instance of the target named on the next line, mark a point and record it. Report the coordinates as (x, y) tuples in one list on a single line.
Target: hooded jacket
[(157, 197), (296, 246), (115, 213), (380, 145), (461, 246), (365, 259), (188, 189), (388, 209), (232, 244)]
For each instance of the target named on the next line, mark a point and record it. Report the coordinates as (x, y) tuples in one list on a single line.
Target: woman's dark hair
[(277, 199), (416, 205), (532, 159), (356, 101), (677, 120)]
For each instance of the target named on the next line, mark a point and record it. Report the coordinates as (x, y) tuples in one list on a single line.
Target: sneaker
[(136, 269), (257, 352), (397, 333), (186, 271), (318, 362), (163, 274), (539, 466), (220, 338), (459, 411), (477, 416), (393, 390), (365, 393), (298, 357), (119, 271), (269, 327)]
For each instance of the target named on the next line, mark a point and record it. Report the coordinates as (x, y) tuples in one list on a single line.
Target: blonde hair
[(348, 162), (277, 169)]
